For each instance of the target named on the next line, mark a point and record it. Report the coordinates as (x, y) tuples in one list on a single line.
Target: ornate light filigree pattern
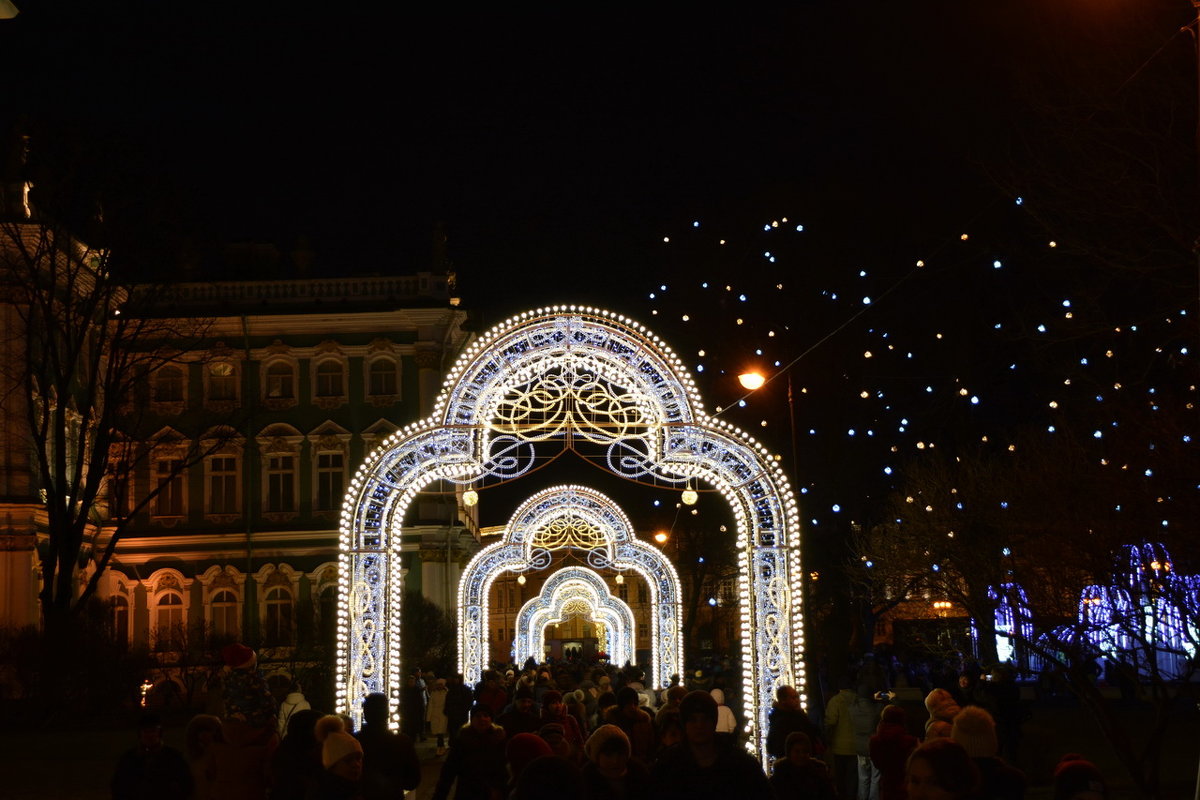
[(574, 590), (571, 371), (565, 532), (517, 551)]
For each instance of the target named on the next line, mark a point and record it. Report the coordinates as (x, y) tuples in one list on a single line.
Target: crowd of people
[(596, 733)]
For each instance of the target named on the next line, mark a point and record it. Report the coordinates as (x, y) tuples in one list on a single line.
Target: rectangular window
[(222, 485), (329, 380), (331, 481), (169, 500), (382, 378), (281, 483), (222, 382), (280, 384), (623, 591)]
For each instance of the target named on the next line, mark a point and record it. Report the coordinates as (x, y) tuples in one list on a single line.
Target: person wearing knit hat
[(247, 697), (341, 756), (798, 774), (519, 750), (610, 771), (707, 765), (1076, 778), (636, 723), (942, 709), (940, 769), (521, 716), (975, 730)]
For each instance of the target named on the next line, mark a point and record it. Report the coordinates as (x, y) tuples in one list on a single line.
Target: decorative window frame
[(220, 353), (329, 352), (378, 431), (328, 437), (223, 579), (279, 439), (168, 444), (321, 579), (113, 586), (272, 576), (161, 583), (223, 441), (275, 355), (169, 407), (382, 350)]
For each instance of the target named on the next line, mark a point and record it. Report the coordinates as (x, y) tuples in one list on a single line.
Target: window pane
[(330, 480), (279, 618), (280, 381), (383, 377), (281, 483), (223, 609), (222, 381), (222, 485), (169, 501), (329, 379), (168, 385)]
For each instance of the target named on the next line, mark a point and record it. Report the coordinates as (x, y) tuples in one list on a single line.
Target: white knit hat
[(336, 744)]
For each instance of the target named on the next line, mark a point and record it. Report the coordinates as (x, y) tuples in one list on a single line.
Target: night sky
[(597, 158)]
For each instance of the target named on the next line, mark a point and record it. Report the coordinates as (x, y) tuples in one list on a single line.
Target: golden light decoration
[(470, 497), (660, 537), (689, 496)]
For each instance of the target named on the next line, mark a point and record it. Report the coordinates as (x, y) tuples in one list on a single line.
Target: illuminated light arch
[(562, 590), (598, 378), (582, 519)]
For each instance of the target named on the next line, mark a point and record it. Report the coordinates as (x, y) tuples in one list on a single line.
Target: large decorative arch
[(597, 378), (561, 593), (581, 519)]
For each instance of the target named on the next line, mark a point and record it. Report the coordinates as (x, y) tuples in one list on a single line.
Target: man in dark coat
[(458, 703), (787, 716), (151, 770), (521, 716), (476, 760), (706, 764), (390, 764)]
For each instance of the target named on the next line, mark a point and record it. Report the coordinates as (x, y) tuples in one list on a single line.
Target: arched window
[(330, 379), (222, 381), (383, 379), (168, 385), (168, 621), (277, 628), (281, 381), (223, 615)]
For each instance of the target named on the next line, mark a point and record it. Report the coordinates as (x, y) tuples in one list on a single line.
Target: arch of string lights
[(582, 519), (572, 586), (596, 377)]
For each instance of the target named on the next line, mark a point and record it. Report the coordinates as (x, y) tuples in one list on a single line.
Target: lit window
[(223, 610), (278, 623), (281, 382), (168, 385), (222, 381), (168, 621), (281, 483), (222, 485), (331, 481), (169, 500), (383, 379), (329, 379)]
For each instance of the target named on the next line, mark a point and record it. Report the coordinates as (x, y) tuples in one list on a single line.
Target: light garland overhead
[(596, 377)]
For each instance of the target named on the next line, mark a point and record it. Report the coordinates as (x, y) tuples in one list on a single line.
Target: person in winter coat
[(940, 769), (476, 765), (554, 710), (726, 721), (864, 716), (245, 692), (390, 764), (202, 731), (636, 723), (787, 716), (242, 760), (975, 730), (435, 713), (839, 729), (942, 709), (610, 773), (458, 703), (296, 763), (890, 748), (707, 765), (151, 769), (799, 776), (342, 759), (295, 701)]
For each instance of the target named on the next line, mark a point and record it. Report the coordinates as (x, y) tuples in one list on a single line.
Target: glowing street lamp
[(660, 537), (751, 380)]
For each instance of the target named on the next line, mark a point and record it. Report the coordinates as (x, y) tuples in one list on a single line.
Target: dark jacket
[(330, 787), (160, 774), (736, 774), (635, 785), (390, 764), (809, 780), (999, 781), (783, 721), (476, 761), (890, 748)]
